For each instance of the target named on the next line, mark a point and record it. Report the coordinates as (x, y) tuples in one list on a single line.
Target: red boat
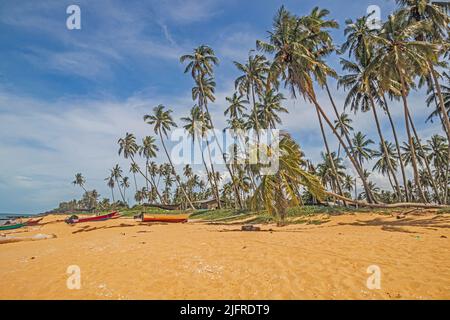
[(75, 219), (34, 222)]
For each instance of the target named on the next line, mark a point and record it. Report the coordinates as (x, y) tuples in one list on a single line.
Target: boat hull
[(75, 219), (12, 226), (165, 218)]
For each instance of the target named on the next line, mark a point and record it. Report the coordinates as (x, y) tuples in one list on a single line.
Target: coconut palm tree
[(269, 108), (399, 57), (237, 106), (344, 125), (79, 181), (148, 150), (200, 64), (197, 125), (125, 183), (278, 191), (116, 174), (386, 162), (331, 174), (134, 168), (110, 183), (362, 150), (252, 80), (297, 61), (425, 11), (162, 122), (362, 85)]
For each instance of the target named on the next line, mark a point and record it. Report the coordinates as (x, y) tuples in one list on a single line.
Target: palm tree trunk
[(227, 165), (213, 174), (174, 172), (383, 143), (446, 124), (212, 126), (120, 190), (358, 166), (399, 153), (330, 158), (146, 179), (369, 194), (408, 132), (112, 193), (427, 163)]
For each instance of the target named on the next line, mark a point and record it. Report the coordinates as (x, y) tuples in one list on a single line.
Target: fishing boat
[(75, 219), (33, 222), (164, 218), (12, 226)]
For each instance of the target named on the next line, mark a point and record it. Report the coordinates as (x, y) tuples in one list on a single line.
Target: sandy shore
[(122, 259)]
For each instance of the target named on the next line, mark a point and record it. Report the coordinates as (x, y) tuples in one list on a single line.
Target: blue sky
[(66, 96)]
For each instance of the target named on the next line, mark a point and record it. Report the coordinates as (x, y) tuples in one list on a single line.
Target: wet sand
[(123, 259)]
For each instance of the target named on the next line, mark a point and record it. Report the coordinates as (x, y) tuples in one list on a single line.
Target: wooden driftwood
[(40, 236), (388, 205)]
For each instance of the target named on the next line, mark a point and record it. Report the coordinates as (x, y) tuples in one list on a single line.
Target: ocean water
[(7, 216)]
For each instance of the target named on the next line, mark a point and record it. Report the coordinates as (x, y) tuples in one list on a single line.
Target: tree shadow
[(435, 223), (88, 228)]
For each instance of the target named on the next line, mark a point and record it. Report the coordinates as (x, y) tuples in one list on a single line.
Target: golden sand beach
[(124, 259)]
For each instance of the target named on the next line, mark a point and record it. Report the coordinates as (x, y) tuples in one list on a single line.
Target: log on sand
[(40, 236), (388, 205)]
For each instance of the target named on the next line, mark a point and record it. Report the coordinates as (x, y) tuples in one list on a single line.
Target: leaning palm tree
[(344, 125), (79, 181), (278, 191), (162, 122), (125, 184), (297, 60)]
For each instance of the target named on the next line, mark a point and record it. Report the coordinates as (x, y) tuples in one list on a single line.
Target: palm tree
[(193, 122), (125, 184), (362, 91), (386, 162), (397, 57), (279, 190), (298, 59), (434, 31), (269, 107), (252, 81), (162, 122), (148, 150), (344, 125), (362, 150), (116, 173), (200, 64), (134, 168), (79, 181), (331, 170), (236, 106), (110, 183)]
